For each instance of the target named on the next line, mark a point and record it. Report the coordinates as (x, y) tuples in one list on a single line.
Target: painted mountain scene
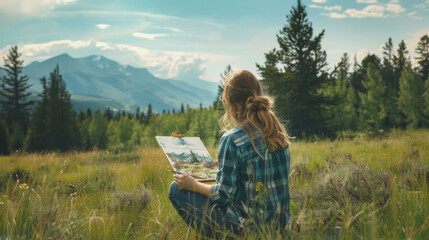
[(188, 154)]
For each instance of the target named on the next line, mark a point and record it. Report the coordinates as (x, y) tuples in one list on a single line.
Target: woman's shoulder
[(237, 135), (234, 133)]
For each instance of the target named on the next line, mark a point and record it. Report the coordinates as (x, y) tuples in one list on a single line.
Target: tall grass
[(361, 188)]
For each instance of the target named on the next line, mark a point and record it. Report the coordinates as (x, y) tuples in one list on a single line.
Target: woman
[(252, 184)]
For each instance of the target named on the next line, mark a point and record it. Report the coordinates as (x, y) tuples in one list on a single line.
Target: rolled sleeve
[(223, 192)]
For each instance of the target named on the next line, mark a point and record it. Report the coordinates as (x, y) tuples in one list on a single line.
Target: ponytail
[(261, 116)]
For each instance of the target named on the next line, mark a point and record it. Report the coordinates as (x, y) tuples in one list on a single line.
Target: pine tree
[(423, 57), (426, 102), (221, 85), (351, 110), (338, 90), (89, 112), (356, 87), (125, 130), (17, 137), (366, 61), (356, 76), (410, 101), (142, 117), (118, 116), (388, 54), (14, 86), (37, 136), (182, 108), (108, 113), (61, 120), (138, 113), (4, 138), (98, 130), (373, 102), (81, 116), (85, 137), (148, 113), (392, 84), (400, 60), (387, 66), (295, 75)]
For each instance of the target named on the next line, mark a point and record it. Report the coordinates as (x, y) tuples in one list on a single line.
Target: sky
[(174, 145), (192, 39)]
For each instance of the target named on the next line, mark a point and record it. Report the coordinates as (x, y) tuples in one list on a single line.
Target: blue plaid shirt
[(240, 171)]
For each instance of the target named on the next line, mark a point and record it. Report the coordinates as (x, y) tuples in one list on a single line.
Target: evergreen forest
[(371, 96)]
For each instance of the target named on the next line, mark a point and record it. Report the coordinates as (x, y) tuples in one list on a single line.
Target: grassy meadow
[(372, 188)]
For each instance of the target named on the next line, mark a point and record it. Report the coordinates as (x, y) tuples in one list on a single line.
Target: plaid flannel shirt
[(250, 187)]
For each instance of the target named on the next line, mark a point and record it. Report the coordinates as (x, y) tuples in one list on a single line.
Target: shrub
[(137, 201), (21, 174), (358, 183)]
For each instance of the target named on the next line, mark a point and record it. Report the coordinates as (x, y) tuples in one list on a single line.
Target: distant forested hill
[(98, 82)]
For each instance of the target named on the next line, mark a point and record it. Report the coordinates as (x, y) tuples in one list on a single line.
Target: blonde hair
[(246, 106)]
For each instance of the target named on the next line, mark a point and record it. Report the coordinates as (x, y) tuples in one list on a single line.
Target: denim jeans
[(208, 217)]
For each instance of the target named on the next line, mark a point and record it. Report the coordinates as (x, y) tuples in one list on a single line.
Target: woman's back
[(252, 183), (255, 188)]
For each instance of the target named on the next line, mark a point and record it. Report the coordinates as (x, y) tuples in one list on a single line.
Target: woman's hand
[(185, 182)]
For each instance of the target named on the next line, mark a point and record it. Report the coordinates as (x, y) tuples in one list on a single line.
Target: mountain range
[(188, 158), (97, 82)]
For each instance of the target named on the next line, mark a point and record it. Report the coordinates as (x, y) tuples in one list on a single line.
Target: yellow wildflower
[(4, 195), (259, 186), (385, 154), (24, 185)]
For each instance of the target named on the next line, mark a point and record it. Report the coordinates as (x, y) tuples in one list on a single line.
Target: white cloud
[(315, 6), (395, 8), (373, 10), (318, 1), (376, 11), (366, 1), (353, 13), (154, 16), (31, 50), (172, 29), (336, 7), (335, 15), (31, 7), (413, 15), (424, 6), (150, 36), (168, 64), (104, 46), (102, 26), (189, 69)]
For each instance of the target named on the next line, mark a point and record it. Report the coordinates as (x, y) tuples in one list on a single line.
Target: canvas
[(188, 155)]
